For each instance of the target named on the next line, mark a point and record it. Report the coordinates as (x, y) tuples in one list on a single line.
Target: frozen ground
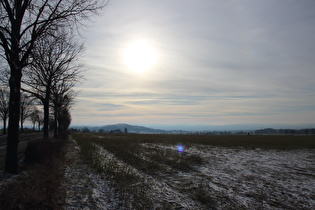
[(241, 178), (227, 178), (268, 179), (85, 189), (253, 178)]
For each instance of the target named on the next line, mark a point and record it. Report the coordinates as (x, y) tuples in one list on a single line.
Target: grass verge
[(41, 188)]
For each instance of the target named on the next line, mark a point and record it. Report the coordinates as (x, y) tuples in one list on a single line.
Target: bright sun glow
[(139, 56)]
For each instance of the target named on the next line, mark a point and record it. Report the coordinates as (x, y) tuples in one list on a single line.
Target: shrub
[(41, 188), (39, 150)]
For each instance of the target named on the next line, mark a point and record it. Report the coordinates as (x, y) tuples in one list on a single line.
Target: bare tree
[(40, 119), (34, 116), (4, 108), (4, 76), (62, 98), (64, 120), (54, 60), (22, 23), (26, 109)]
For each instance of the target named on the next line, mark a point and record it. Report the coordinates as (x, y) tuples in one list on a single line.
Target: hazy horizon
[(199, 63), (207, 127)]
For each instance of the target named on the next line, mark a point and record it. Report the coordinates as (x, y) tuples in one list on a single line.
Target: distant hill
[(131, 128), (122, 127), (117, 128)]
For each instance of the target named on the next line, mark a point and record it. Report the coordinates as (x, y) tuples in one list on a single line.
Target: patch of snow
[(230, 178), (86, 189), (252, 178), (276, 178), (159, 192)]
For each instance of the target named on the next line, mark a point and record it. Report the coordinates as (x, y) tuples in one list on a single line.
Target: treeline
[(87, 130), (266, 131), (305, 131), (29, 111), (41, 62)]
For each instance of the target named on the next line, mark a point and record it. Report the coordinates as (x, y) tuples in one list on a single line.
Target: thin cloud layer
[(219, 62)]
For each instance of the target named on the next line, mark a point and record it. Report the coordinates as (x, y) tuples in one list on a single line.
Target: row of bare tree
[(36, 39), (28, 110), (51, 76)]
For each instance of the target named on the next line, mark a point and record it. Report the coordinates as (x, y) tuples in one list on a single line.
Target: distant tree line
[(101, 130), (304, 131), (41, 59), (266, 131)]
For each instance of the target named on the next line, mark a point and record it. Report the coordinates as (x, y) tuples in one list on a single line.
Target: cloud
[(219, 62)]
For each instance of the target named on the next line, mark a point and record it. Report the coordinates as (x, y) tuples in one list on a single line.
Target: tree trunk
[(46, 109), (59, 126), (4, 125), (46, 118), (55, 123), (11, 162), (22, 129)]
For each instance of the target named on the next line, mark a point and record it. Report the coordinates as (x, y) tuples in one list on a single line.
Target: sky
[(206, 62)]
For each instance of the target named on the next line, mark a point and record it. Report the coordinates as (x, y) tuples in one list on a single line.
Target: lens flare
[(180, 148)]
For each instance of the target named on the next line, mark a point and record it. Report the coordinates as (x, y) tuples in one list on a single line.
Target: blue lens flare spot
[(180, 148)]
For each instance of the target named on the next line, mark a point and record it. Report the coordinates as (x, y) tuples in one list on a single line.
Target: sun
[(140, 56)]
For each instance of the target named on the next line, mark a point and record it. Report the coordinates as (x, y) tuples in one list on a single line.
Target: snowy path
[(85, 188)]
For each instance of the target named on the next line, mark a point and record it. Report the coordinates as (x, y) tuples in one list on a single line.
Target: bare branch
[(22, 24)]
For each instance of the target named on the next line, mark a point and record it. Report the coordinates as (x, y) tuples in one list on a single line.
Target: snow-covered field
[(86, 189), (250, 178), (204, 177)]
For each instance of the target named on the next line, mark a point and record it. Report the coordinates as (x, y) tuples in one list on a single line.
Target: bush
[(42, 187), (39, 150)]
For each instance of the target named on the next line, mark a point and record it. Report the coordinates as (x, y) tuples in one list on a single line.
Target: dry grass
[(121, 176), (156, 156), (41, 188)]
